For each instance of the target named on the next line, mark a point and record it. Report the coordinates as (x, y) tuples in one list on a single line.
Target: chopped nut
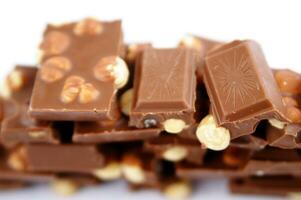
[(55, 68), (16, 160), (288, 81), (111, 171), (112, 68), (178, 190), (132, 169), (126, 101), (277, 124), (191, 41), (213, 137), (294, 114), (71, 88), (55, 42), (174, 125), (5, 90), (15, 80), (175, 153), (88, 93), (289, 101), (259, 173), (37, 134), (150, 122), (64, 187), (88, 26)]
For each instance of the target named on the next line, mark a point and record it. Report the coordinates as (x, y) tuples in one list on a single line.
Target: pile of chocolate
[(96, 110)]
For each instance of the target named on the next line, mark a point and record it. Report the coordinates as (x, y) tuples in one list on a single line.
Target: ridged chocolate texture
[(241, 87), (164, 87)]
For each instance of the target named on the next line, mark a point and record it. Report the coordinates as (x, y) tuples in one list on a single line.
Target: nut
[(174, 125), (111, 171), (288, 81), (64, 187), (55, 42), (150, 122), (16, 160), (15, 80), (190, 41), (5, 90), (294, 114), (259, 173), (175, 153), (132, 169), (88, 93), (277, 124), (71, 88), (178, 190), (112, 68), (55, 68), (126, 101), (289, 101), (134, 50), (88, 26), (37, 134), (213, 137), (233, 157)]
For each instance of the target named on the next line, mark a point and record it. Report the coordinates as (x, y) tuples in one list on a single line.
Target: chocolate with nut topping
[(80, 72), (242, 88), (164, 88)]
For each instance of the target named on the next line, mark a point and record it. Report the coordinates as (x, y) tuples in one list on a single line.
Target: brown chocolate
[(242, 88), (249, 142), (80, 72), (17, 126), (110, 131), (164, 88)]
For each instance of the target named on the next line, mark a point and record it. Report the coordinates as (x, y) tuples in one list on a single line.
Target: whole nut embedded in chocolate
[(288, 81), (16, 160), (178, 190), (88, 93), (213, 137), (12, 82), (71, 88), (191, 41), (175, 153), (132, 169), (88, 26), (53, 69), (126, 101), (64, 187), (55, 42), (111, 171), (174, 125), (37, 134), (277, 124), (150, 122), (112, 68)]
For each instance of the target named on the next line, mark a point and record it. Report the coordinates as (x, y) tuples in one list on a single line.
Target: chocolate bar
[(242, 88), (80, 72), (164, 90), (17, 126)]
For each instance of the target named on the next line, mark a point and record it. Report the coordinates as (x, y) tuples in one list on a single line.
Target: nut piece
[(88, 26), (174, 125), (134, 50), (175, 153), (150, 122), (288, 81), (64, 187), (71, 88), (55, 42), (294, 114), (112, 68), (234, 157), (16, 160), (213, 137), (88, 93), (55, 68), (126, 101), (289, 101), (111, 171), (12, 82), (277, 124), (178, 190), (132, 169), (37, 134), (190, 41)]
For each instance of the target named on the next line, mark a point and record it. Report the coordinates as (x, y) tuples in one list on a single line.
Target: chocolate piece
[(63, 158), (242, 88), (114, 131), (17, 126), (80, 72), (164, 88), (270, 185), (249, 142)]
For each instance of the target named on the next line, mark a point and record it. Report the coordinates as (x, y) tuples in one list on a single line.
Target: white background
[(274, 24)]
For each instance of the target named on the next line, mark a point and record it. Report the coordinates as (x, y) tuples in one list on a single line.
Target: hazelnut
[(64, 187), (55, 42), (233, 157), (174, 125), (277, 124), (126, 101), (111, 171), (289, 101), (37, 134), (213, 137), (114, 69), (150, 122), (175, 153), (71, 88), (288, 81), (294, 114), (15, 80), (178, 190), (132, 169), (190, 41), (88, 26), (88, 93), (16, 160)]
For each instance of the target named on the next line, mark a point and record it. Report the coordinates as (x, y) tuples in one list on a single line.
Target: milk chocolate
[(76, 79), (242, 88), (164, 87), (17, 126), (106, 131)]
